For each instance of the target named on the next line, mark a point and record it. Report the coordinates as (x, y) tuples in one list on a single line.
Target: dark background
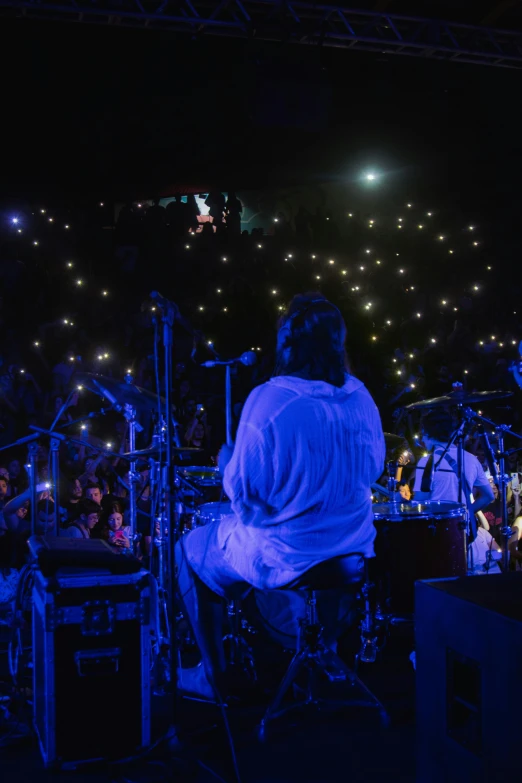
[(91, 111)]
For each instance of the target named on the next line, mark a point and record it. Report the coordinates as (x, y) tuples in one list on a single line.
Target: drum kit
[(432, 539), (415, 540)]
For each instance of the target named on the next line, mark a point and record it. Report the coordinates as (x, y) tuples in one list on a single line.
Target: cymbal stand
[(501, 479), (391, 468), (130, 416)]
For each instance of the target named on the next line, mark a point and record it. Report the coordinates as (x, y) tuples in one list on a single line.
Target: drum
[(416, 541), (205, 480), (212, 512)]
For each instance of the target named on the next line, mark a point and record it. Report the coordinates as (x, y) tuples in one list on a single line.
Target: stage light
[(370, 176), (79, 388), (105, 293), (412, 385), (14, 220), (19, 230), (108, 445), (83, 427)]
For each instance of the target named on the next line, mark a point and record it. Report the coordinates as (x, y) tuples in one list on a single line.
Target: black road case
[(92, 661)]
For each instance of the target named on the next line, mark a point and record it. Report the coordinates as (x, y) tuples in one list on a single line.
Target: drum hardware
[(237, 650)]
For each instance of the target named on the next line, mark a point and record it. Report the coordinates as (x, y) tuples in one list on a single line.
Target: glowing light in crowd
[(225, 309), (331, 261), (420, 226), (79, 282), (42, 211), (475, 244), (471, 228), (343, 272), (313, 256), (441, 238), (419, 315), (201, 308), (14, 220), (105, 293), (36, 344), (19, 230), (361, 268), (187, 247), (66, 226), (370, 176), (444, 302), (274, 292), (350, 214), (51, 220), (218, 290), (450, 252), (35, 242), (101, 203), (429, 214), (374, 337), (70, 264), (368, 250), (409, 206)]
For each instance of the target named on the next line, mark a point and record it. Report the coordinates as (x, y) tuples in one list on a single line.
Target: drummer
[(436, 480)]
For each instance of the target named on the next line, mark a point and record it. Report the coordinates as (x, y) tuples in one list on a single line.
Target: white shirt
[(445, 484), (300, 478)]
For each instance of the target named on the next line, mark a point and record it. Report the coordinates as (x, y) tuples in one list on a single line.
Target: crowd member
[(71, 504), (93, 492), (85, 522), (112, 529)]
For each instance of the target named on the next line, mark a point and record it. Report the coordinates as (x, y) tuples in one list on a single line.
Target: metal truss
[(313, 24)]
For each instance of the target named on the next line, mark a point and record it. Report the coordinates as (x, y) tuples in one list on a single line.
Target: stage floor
[(333, 747)]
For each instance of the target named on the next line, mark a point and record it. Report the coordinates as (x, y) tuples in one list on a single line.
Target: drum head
[(213, 512), (202, 477), (429, 509)]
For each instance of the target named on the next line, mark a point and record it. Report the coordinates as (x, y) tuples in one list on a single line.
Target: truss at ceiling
[(313, 24)]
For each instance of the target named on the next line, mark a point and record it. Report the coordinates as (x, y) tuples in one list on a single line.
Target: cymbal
[(153, 451), (458, 398), (124, 393), (392, 440)]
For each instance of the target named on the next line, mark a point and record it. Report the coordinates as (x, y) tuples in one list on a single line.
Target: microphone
[(161, 301), (112, 399), (490, 457), (248, 358)]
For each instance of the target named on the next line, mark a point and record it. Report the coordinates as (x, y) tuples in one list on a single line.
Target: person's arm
[(482, 493)]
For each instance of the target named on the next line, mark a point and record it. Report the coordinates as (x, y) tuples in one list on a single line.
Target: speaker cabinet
[(468, 639)]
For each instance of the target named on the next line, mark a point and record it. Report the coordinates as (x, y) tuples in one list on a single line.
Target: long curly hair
[(311, 341)]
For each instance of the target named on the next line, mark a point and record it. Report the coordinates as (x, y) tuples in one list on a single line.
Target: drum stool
[(314, 658)]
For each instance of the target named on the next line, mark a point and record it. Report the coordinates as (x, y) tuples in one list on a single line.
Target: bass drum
[(416, 541)]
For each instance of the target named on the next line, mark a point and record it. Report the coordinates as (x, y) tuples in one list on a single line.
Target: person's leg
[(204, 610)]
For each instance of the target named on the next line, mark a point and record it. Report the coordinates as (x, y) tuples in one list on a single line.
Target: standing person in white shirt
[(309, 446), (437, 479)]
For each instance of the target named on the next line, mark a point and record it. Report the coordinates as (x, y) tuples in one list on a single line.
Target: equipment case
[(91, 664)]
